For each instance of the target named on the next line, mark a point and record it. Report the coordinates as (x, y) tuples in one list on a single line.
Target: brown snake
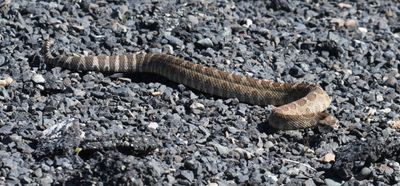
[(300, 105)]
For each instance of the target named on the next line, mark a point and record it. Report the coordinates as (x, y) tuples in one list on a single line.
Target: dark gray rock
[(365, 172), (174, 40), (2, 60), (309, 182), (330, 182), (206, 42), (187, 175)]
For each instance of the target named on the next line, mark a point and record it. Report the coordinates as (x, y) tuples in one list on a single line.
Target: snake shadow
[(265, 127)]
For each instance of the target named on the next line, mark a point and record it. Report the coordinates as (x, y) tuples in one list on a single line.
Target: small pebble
[(363, 29), (38, 78), (344, 5), (365, 171), (330, 182), (205, 42), (351, 23), (193, 19), (152, 125)]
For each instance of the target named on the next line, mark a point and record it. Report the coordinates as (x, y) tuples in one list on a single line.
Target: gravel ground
[(63, 127)]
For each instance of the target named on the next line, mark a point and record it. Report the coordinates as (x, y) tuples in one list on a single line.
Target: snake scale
[(299, 105)]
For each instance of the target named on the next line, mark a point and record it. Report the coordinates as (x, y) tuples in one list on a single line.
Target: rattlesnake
[(300, 105)]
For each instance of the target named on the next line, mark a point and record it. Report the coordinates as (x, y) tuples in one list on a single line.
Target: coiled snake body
[(300, 105)]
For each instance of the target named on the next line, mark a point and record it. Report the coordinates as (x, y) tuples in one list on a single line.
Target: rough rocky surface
[(63, 127)]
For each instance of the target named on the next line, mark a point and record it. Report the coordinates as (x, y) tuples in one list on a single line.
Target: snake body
[(300, 105)]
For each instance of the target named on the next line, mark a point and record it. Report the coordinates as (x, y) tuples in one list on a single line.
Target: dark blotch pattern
[(294, 113)]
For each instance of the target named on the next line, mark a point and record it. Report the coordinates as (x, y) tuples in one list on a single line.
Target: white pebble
[(38, 78), (152, 125), (197, 105)]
